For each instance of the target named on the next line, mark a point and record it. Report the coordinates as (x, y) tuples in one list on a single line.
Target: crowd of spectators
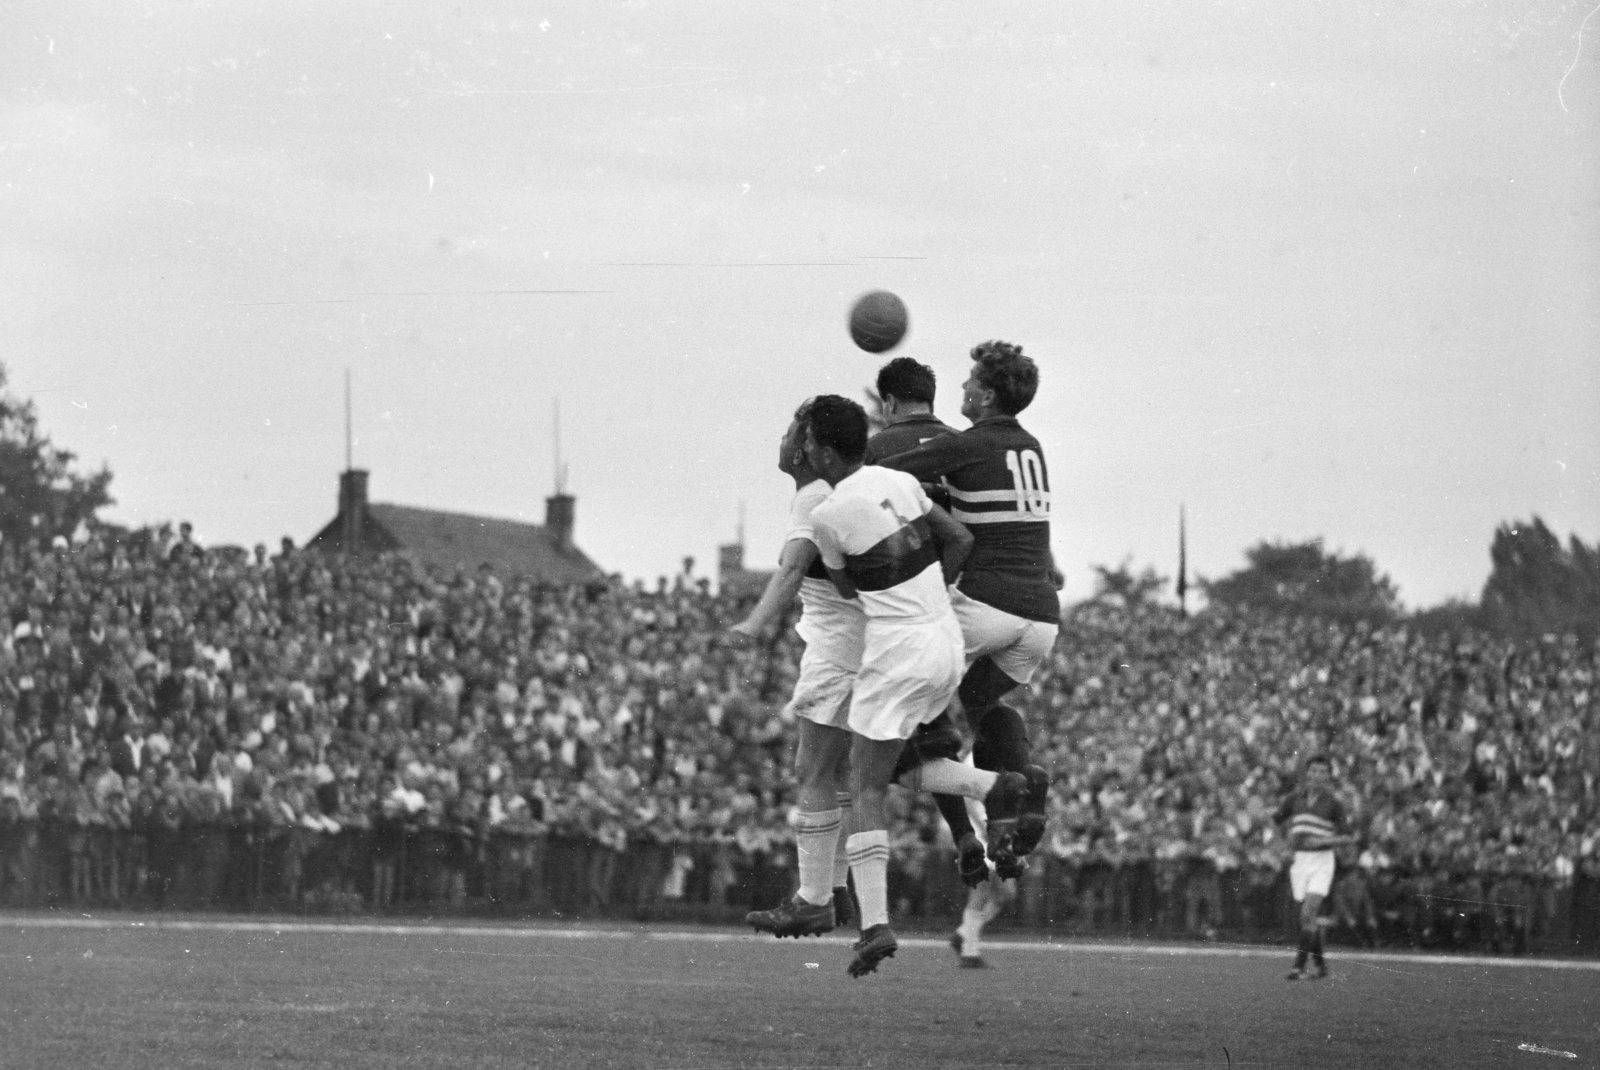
[(149, 686), (1469, 764), (1171, 735)]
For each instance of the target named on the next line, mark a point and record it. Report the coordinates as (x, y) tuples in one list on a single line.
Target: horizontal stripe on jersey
[(873, 528), (1311, 815), (985, 496), (904, 555), (1003, 516), (1310, 825)]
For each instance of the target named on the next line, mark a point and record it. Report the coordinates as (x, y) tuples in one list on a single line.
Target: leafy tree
[(1305, 578), (41, 496), (1538, 586), (1121, 586)]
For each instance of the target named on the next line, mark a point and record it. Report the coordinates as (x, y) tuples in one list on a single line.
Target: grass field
[(146, 991)]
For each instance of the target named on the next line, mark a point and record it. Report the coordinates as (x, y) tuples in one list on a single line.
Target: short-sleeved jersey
[(1000, 489), (830, 623), (1311, 814), (874, 528), (904, 435)]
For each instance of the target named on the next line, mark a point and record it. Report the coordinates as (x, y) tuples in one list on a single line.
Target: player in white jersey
[(832, 627), (885, 544)]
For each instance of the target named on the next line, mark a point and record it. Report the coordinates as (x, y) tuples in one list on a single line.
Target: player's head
[(836, 435), (1002, 383), (792, 449), (1319, 770), (904, 385)]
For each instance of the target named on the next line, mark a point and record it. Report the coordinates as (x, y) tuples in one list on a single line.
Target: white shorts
[(1017, 645), (822, 693), (908, 676), (1311, 873)]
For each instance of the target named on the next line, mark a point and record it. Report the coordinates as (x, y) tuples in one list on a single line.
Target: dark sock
[(1305, 949), (954, 809), (1316, 946)]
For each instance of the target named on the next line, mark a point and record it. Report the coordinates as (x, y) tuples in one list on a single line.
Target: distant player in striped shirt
[(1316, 826)]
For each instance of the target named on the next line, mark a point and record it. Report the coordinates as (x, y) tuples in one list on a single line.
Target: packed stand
[(151, 688), (1470, 765), (159, 701)]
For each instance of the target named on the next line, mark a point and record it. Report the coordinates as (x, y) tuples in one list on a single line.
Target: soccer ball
[(878, 321)]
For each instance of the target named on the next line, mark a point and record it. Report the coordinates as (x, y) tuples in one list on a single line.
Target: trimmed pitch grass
[(146, 991)]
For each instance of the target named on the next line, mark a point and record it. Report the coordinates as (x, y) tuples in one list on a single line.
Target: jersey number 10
[(1027, 477)]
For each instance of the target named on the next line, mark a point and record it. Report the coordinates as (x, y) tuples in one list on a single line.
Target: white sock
[(974, 916), (869, 864), (816, 836), (984, 904), (841, 853), (945, 777), (1000, 897)]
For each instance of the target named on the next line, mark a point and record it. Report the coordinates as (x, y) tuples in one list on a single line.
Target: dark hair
[(1319, 759), (1014, 378), (840, 424), (905, 379)]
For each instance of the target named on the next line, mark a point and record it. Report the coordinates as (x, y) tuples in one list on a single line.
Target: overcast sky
[(1310, 269)]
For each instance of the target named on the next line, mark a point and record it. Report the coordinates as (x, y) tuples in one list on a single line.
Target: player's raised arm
[(930, 460), (952, 538), (781, 589)]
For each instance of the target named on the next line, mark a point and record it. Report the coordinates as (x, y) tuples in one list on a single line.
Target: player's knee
[(983, 685), (938, 738), (869, 797), (1000, 740), (816, 775)]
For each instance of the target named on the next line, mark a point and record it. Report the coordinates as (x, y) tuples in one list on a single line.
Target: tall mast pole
[(348, 462), (556, 434)]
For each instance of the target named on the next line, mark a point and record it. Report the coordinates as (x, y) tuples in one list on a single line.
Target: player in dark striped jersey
[(1007, 598), (1316, 823)]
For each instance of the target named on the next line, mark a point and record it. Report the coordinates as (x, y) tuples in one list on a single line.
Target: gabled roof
[(456, 540)]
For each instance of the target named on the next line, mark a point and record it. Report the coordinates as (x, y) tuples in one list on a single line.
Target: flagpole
[(1183, 564), (348, 449)]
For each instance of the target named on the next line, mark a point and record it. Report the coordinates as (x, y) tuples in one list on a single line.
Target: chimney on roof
[(558, 515), (352, 508)]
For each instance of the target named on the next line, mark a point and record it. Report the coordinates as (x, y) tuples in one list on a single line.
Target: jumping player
[(906, 389), (884, 543), (832, 628), (1316, 826), (1006, 601)]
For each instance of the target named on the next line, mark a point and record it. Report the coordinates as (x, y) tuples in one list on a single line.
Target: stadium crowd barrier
[(243, 869)]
